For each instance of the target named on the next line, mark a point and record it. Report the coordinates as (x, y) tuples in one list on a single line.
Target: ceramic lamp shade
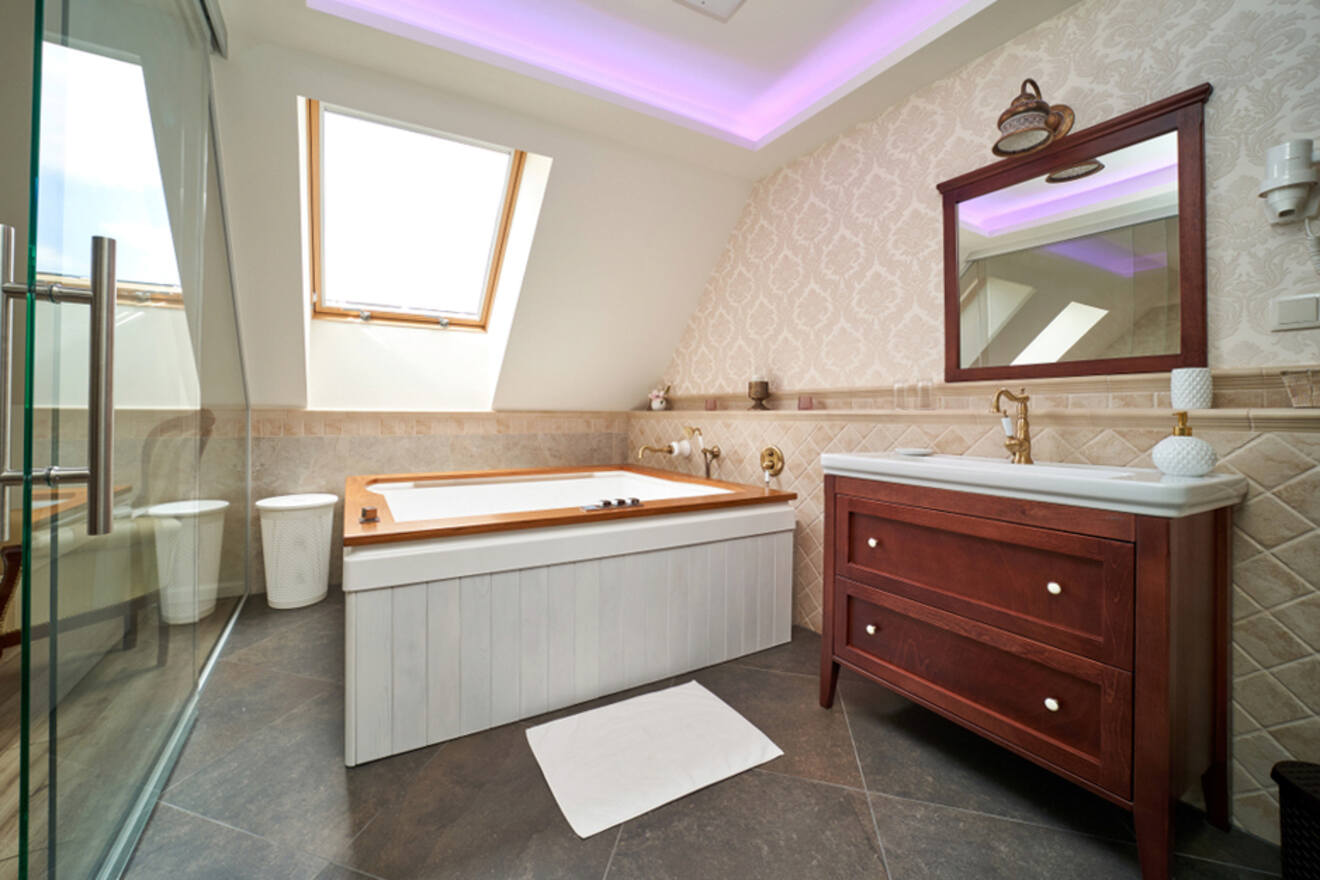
[(1191, 388)]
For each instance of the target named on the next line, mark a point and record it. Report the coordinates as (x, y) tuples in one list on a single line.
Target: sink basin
[(994, 465), (1129, 490)]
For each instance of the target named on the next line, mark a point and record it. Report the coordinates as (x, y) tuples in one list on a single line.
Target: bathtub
[(477, 599)]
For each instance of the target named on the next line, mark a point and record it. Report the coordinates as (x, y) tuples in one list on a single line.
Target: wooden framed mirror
[(1084, 258)]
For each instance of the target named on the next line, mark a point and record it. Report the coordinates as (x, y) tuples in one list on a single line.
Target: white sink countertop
[(1129, 490)]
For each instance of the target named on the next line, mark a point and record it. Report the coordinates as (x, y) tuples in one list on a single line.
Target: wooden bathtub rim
[(357, 496)]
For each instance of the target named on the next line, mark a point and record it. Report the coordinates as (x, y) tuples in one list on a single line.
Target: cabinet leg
[(1154, 840), (829, 681), (1214, 787)]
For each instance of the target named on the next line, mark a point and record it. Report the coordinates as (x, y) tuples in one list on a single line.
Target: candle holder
[(759, 392)]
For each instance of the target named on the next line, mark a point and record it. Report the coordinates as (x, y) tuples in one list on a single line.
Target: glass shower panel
[(120, 622)]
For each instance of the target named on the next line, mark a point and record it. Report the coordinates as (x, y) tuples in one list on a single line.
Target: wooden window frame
[(518, 159)]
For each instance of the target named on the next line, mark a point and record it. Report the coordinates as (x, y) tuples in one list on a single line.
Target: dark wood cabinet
[(1092, 642)]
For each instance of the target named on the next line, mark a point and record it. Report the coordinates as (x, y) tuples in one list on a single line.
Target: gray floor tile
[(480, 809), (600, 702), (757, 824), (339, 872), (259, 621), (786, 708), (312, 645), (288, 782), (239, 700), (908, 751), (1197, 837), (178, 846), (932, 842), (801, 655)]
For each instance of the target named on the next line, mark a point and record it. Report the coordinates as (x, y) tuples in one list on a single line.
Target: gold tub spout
[(663, 450), (1019, 443)]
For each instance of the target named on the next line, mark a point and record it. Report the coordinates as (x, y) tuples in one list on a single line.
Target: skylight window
[(114, 181), (406, 225), (1061, 334)]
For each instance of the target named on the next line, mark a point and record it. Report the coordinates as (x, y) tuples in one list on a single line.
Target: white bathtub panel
[(783, 602), (535, 666), (475, 665), (505, 650), (680, 588), (655, 624), (718, 592), (733, 600), (633, 590), (373, 631), (408, 677), (432, 661), (766, 593), (612, 583), (700, 650), (444, 652), (561, 599), (586, 629)]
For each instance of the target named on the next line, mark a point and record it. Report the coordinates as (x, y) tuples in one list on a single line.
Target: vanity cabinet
[(1092, 642)]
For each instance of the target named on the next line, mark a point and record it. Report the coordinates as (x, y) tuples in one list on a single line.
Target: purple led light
[(1109, 256), (575, 44), (1011, 210)]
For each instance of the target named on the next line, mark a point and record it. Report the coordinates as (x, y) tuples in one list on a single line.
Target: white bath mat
[(612, 764)]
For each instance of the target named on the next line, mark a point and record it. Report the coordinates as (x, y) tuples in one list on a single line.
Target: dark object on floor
[(1299, 818)]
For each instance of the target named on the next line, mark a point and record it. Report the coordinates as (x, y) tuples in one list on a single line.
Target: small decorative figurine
[(660, 398), (759, 391)]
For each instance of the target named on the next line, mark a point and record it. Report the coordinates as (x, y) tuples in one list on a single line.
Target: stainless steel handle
[(99, 474), (101, 390)]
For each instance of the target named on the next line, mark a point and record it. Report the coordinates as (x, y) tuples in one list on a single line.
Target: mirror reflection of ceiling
[(1138, 184), (772, 65)]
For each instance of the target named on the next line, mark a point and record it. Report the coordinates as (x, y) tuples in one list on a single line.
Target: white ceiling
[(727, 65)]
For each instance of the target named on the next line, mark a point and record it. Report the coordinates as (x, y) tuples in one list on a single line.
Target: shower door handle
[(99, 473)]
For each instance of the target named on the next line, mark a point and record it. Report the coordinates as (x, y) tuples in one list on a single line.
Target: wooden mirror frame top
[(1183, 113)]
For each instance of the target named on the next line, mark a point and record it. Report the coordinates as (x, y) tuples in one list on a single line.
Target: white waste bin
[(188, 538), (295, 540)]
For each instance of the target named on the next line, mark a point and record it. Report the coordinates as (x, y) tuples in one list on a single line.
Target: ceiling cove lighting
[(593, 50)]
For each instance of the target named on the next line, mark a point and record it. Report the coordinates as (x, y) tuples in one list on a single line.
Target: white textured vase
[(1191, 388), (1184, 456)]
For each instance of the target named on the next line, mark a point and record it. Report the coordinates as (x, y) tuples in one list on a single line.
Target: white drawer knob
[(870, 629), (871, 542), (1053, 588), (1051, 704)]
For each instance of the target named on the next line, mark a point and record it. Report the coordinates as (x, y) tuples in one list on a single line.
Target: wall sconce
[(1290, 188), (1031, 123)]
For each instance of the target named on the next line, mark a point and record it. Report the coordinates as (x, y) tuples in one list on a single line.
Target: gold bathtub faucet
[(1019, 441)]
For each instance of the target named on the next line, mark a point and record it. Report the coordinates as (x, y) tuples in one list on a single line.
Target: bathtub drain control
[(607, 503)]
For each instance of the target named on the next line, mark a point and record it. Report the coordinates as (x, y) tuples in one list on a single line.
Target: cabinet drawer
[(1064, 589), (1070, 712)]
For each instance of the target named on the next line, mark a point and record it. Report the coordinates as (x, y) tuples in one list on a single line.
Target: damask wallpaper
[(832, 277)]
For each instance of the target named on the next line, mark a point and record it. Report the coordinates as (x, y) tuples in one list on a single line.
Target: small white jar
[(1191, 388)]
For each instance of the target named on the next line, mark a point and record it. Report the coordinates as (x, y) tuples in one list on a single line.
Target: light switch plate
[(721, 9), (1297, 312)]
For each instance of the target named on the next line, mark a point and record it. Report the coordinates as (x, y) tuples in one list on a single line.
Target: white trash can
[(188, 539), (295, 540)]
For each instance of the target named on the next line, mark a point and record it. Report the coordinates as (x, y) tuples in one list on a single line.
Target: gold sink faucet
[(1019, 438)]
